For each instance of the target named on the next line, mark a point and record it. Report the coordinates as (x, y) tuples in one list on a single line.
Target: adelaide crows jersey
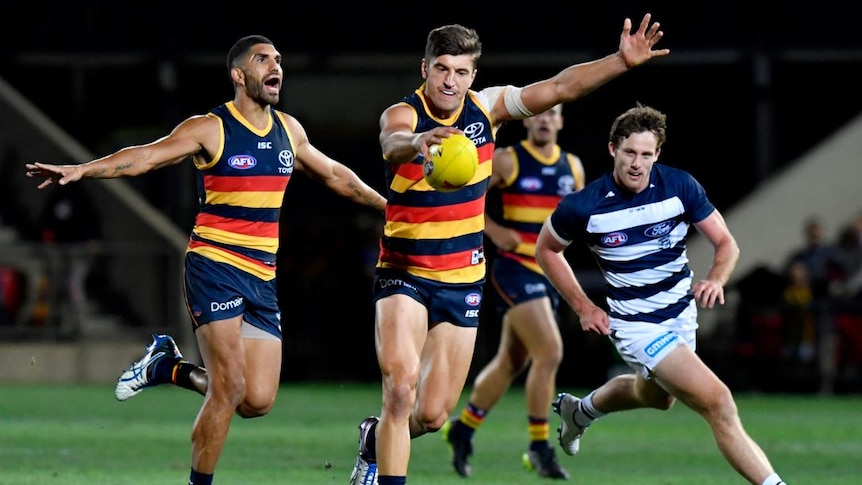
[(240, 193)]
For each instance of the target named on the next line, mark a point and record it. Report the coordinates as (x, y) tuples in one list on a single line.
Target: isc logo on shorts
[(471, 313)]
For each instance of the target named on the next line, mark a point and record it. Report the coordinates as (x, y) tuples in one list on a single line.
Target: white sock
[(587, 413), (773, 479)]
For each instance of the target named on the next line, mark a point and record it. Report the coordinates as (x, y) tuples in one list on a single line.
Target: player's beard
[(258, 92)]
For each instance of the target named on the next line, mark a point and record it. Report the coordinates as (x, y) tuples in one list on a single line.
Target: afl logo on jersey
[(473, 299), (660, 229), (242, 162), (531, 184), (615, 239)]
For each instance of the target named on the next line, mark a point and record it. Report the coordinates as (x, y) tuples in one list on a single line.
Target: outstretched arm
[(188, 138), (580, 79), (332, 173)]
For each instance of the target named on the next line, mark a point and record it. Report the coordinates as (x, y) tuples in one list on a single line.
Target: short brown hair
[(639, 119), (454, 40)]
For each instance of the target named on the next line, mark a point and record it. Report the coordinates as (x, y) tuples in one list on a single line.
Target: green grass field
[(79, 435)]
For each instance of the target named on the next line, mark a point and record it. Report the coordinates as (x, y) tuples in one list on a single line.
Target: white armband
[(559, 239), (514, 103)]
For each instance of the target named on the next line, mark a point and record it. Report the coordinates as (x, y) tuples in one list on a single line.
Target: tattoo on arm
[(121, 168)]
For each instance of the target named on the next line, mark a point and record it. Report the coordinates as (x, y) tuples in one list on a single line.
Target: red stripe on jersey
[(256, 183), (523, 259), (528, 237), (454, 212), (531, 200), (486, 152), (203, 244), (410, 171), (238, 226), (435, 263)]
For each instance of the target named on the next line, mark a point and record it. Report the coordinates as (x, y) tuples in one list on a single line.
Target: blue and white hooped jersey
[(638, 240)]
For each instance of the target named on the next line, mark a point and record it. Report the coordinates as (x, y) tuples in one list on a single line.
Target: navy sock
[(197, 478), (390, 480), (182, 374), (164, 370)]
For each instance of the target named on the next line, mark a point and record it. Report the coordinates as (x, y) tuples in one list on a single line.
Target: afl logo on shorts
[(242, 162), (615, 239), (473, 299)]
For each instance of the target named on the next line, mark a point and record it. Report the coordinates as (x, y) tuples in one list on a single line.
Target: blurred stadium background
[(763, 102)]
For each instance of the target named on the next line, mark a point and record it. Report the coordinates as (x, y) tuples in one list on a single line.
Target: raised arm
[(579, 80), (188, 138)]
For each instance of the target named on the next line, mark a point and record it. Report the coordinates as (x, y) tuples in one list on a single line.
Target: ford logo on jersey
[(660, 229), (473, 299), (242, 162), (615, 239)]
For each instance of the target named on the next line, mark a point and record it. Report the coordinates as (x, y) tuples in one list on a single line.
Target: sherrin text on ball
[(451, 164)]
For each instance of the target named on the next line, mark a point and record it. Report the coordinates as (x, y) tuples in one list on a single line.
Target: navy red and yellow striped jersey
[(532, 193), (240, 192), (439, 235)]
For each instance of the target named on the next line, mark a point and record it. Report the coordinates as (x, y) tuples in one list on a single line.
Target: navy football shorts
[(457, 304), (217, 291)]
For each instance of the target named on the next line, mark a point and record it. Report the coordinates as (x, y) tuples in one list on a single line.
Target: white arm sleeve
[(511, 97)]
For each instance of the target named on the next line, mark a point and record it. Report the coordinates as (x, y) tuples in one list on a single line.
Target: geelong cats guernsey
[(240, 192), (638, 240)]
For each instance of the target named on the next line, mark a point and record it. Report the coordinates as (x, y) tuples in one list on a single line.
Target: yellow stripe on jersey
[(266, 244), (527, 214), (525, 248), (262, 200), (220, 256), (435, 230), (402, 184), (469, 274)]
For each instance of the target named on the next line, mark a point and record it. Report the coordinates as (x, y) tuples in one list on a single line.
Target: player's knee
[(245, 411), (229, 390), (549, 358), (721, 405), (431, 420), (399, 398), (255, 406)]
